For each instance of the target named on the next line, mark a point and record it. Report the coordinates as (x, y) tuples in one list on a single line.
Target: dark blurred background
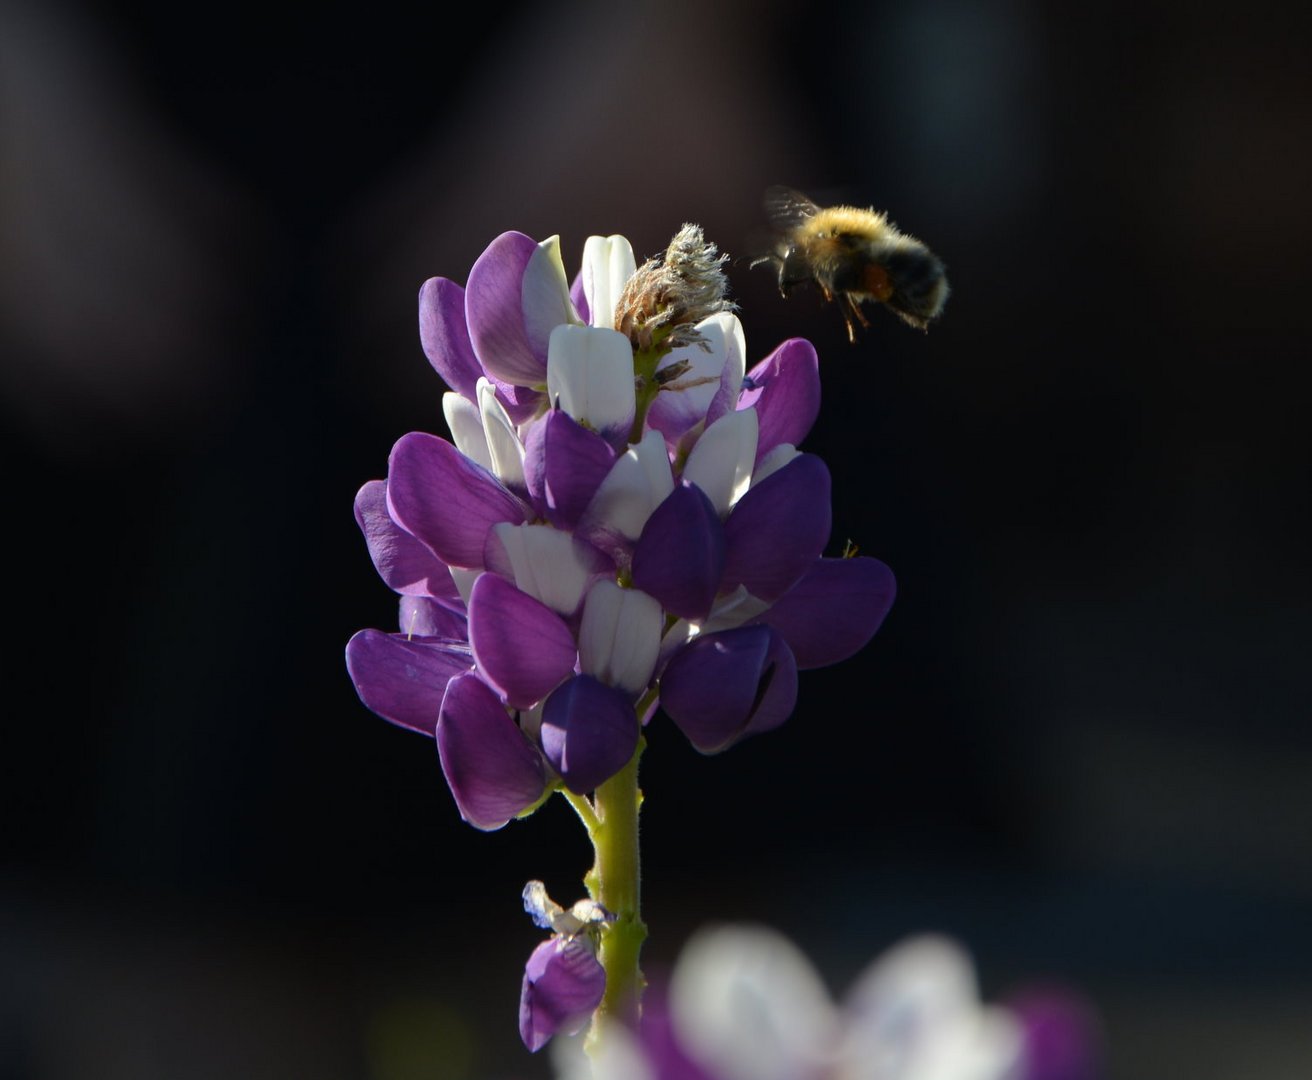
[(1081, 740)]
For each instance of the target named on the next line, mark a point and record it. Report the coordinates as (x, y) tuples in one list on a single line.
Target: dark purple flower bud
[(403, 681), (442, 498), (680, 556), (564, 464), (522, 647), (722, 687), (493, 771), (445, 338), (785, 391), (833, 610), (778, 529), (406, 564), (589, 732), (563, 985)]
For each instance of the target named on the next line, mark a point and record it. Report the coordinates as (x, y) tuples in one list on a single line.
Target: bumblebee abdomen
[(919, 283)]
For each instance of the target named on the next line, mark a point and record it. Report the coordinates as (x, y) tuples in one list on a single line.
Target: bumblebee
[(854, 255)]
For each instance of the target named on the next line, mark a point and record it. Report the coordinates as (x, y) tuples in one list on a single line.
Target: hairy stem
[(614, 881)]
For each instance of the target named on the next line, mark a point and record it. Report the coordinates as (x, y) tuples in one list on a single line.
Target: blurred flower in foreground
[(622, 516), (744, 1003)]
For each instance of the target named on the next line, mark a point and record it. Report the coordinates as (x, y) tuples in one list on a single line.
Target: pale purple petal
[(522, 647), (722, 687), (785, 394), (445, 337), (424, 617), (563, 985), (544, 296), (493, 771), (686, 400), (834, 609), (778, 529), (403, 562), (731, 377), (403, 681), (680, 557), (494, 309), (578, 297), (589, 732), (441, 497), (564, 465), (638, 482)]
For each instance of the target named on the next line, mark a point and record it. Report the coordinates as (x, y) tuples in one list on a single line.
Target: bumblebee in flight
[(854, 255)]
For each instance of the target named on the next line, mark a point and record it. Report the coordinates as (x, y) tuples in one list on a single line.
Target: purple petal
[(493, 771), (424, 617), (564, 464), (445, 337), (786, 394), (778, 529), (589, 732), (1060, 1035), (404, 563), (494, 309), (661, 1045), (403, 681), (522, 647), (722, 687), (833, 610), (563, 985), (579, 298), (441, 497), (680, 556)]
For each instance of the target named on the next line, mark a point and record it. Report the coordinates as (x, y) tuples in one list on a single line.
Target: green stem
[(614, 881)]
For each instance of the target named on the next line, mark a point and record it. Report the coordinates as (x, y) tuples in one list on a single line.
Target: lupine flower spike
[(621, 520)]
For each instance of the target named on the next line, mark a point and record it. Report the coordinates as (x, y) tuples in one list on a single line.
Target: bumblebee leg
[(847, 319), (851, 308)]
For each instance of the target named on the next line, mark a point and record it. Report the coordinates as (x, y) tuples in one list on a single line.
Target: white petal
[(637, 483), (590, 376), (737, 608), (608, 264), (545, 294), (466, 424), (540, 906), (773, 461), (721, 462), (688, 397), (617, 1056), (917, 1010), (748, 1004), (503, 445), (620, 636), (464, 580), (546, 564)]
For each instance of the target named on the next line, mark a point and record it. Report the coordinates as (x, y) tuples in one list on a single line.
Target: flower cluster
[(744, 1003), (622, 519)]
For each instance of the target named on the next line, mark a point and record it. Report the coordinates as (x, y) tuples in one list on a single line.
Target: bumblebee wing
[(787, 208)]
